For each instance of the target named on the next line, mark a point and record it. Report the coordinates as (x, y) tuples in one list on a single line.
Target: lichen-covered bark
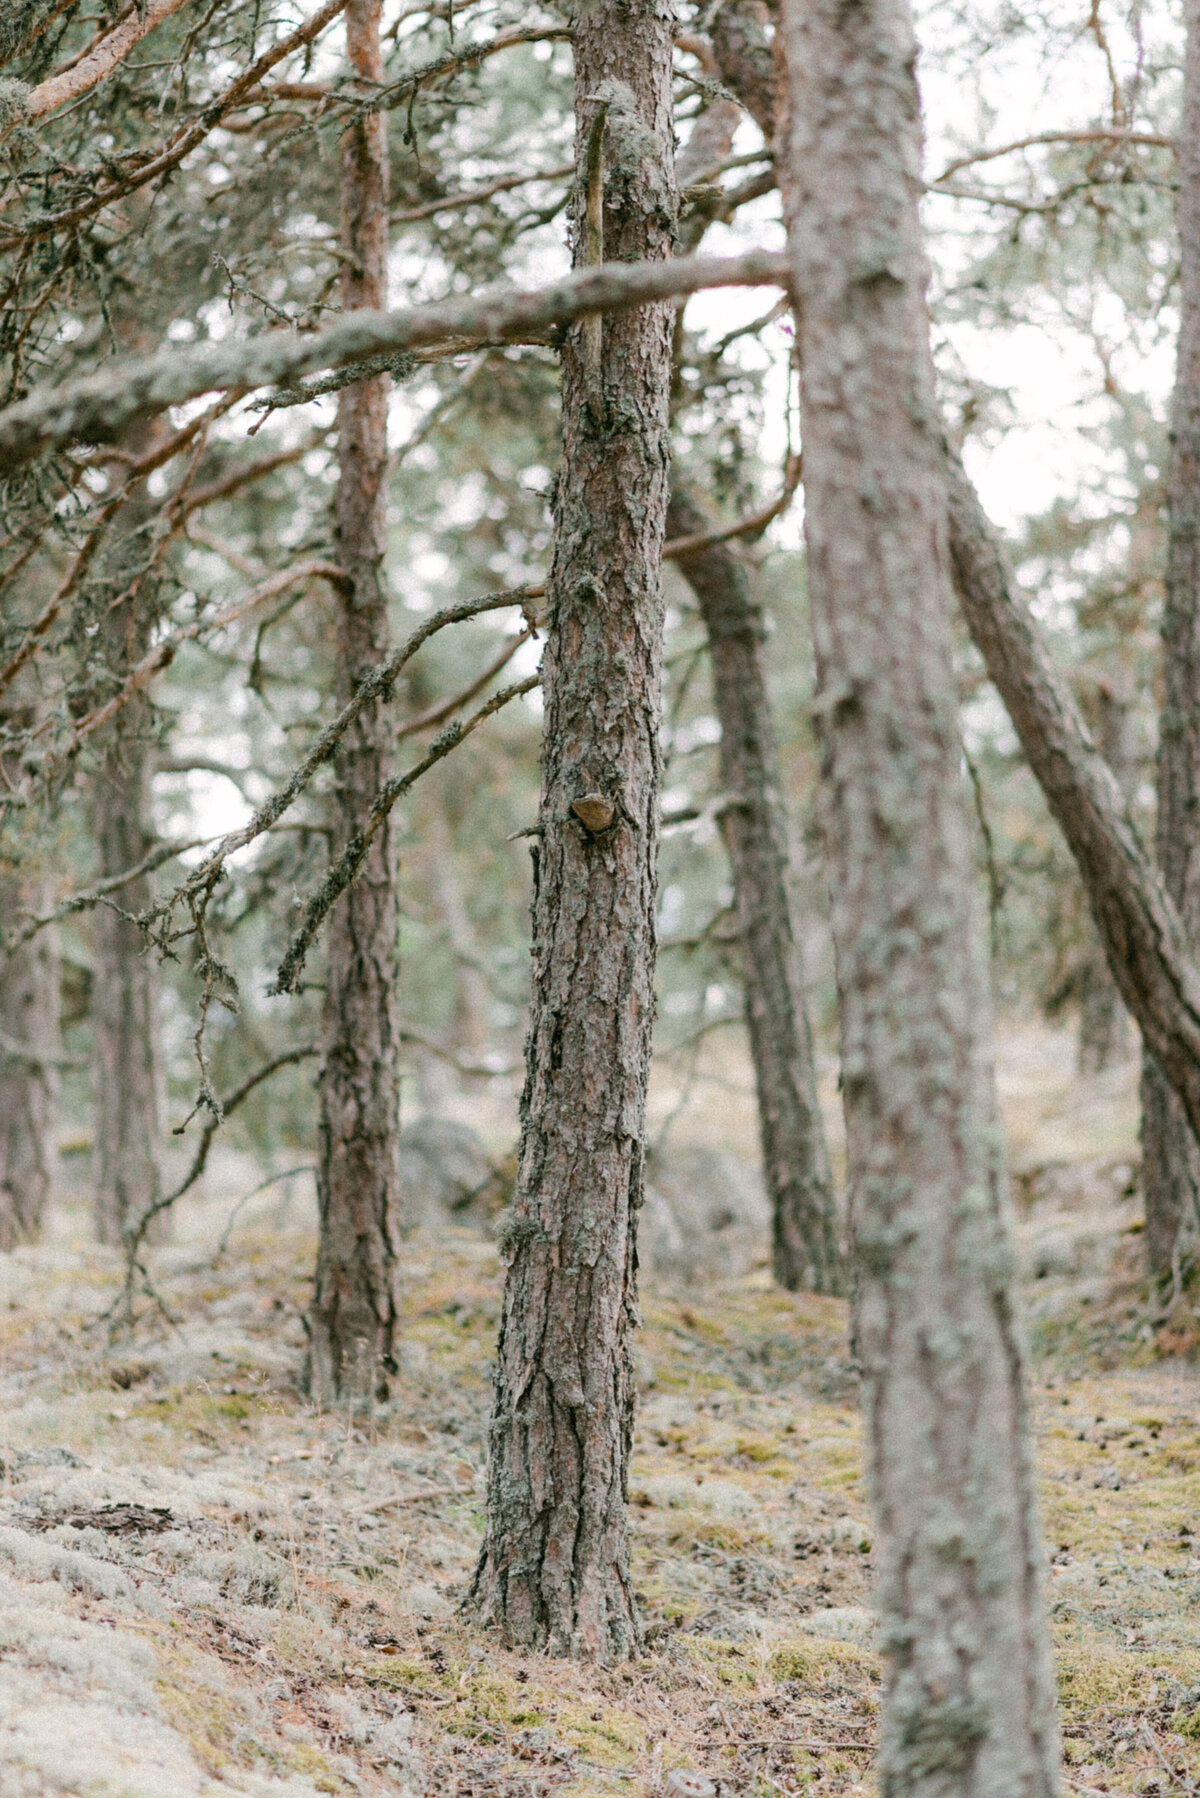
[(805, 1249), (29, 1049), (554, 1570), (1170, 1155), (353, 1319), (969, 1706)]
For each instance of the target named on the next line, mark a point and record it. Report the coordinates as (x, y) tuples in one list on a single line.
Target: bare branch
[(1145, 139), (96, 895), (98, 408), (355, 852)]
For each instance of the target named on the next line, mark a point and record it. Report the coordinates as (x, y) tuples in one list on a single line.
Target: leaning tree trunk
[(554, 1570), (29, 1052), (1170, 1155), (969, 1704), (355, 1308), (1103, 1020), (795, 1157)]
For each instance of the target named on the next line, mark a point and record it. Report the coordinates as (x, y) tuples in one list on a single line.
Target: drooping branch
[(355, 852), (374, 685), (135, 1233), (99, 408), (91, 897), (1143, 139)]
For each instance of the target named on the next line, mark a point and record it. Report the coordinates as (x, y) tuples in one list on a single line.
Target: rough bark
[(805, 1249), (1170, 1155), (128, 1102), (969, 1705), (29, 1049), (554, 1570), (1103, 1020), (354, 1315)]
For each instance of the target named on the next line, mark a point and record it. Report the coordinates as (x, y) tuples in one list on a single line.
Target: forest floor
[(207, 1586)]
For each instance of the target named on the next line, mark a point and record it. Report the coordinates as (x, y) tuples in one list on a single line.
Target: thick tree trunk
[(1103, 1020), (969, 1706), (1139, 926), (354, 1315), (805, 1250), (29, 1050), (554, 1570), (1170, 1155)]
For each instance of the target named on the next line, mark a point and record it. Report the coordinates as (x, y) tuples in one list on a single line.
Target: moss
[(1092, 1677), (611, 1740), (818, 1661), (311, 1763), (730, 1663)]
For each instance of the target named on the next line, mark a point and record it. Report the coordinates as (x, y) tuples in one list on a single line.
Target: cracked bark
[(554, 1570), (805, 1249), (1170, 1155), (355, 1310), (1103, 1020), (969, 1704)]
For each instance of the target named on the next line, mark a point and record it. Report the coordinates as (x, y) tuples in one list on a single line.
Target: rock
[(445, 1176), (705, 1214)]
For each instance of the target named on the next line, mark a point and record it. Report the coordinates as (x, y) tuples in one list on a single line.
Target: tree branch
[(355, 852), (76, 79), (98, 408)]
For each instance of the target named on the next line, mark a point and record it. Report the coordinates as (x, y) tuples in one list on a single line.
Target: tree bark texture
[(29, 1049), (128, 1099), (1141, 929), (805, 1249), (1103, 1020), (354, 1315), (1139, 926), (554, 1570), (969, 1706), (1170, 1155)]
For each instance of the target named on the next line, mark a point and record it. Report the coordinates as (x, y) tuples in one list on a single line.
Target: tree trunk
[(1103, 1020), (1170, 1155), (1139, 926), (969, 1704), (128, 1101), (29, 1049), (554, 1570), (805, 1250), (355, 1308)]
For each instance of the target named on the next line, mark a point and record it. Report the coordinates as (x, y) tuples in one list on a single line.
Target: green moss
[(816, 1661)]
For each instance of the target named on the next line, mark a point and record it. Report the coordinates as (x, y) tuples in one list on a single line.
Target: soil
[(208, 1586)]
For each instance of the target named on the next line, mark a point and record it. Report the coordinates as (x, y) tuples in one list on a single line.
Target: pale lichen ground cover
[(296, 1628)]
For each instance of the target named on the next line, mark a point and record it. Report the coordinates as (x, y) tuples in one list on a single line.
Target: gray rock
[(705, 1214), (445, 1176)]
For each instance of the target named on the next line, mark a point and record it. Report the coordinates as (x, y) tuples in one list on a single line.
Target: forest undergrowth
[(208, 1585)]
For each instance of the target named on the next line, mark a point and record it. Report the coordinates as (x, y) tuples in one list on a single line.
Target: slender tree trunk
[(128, 1100), (353, 1320), (969, 1706), (805, 1249), (795, 1156), (29, 1049), (1103, 1020), (554, 1570), (1170, 1155)]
